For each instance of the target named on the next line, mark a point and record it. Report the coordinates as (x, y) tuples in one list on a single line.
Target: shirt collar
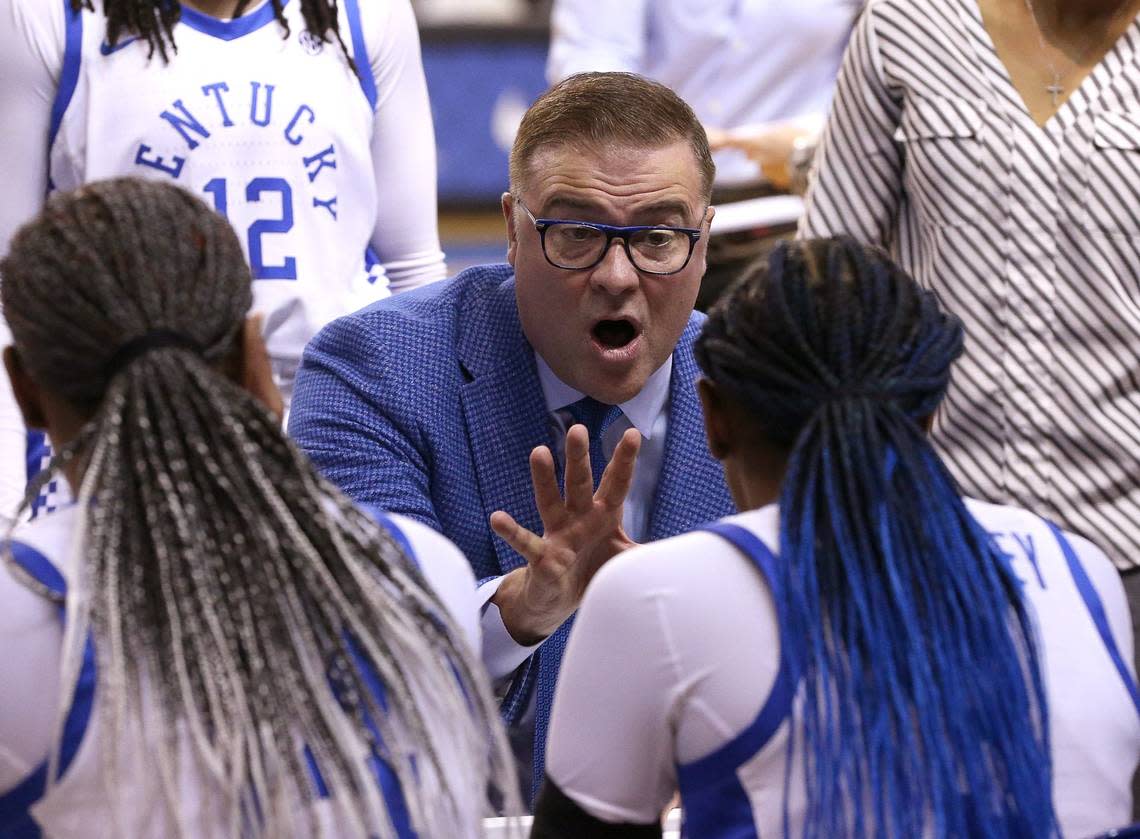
[(642, 410)]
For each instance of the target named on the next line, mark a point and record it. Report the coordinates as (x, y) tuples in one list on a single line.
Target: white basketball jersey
[(272, 131), (1093, 700)]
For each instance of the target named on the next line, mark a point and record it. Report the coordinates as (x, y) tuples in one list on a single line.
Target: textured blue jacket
[(429, 403)]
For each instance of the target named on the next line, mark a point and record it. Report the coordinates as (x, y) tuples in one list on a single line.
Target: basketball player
[(305, 122), (212, 642)]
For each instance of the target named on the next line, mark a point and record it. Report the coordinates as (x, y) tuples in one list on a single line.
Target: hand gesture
[(580, 532)]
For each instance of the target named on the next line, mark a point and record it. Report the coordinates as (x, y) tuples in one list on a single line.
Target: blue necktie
[(597, 417)]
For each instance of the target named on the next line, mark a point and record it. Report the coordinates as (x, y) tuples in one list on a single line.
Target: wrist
[(528, 622)]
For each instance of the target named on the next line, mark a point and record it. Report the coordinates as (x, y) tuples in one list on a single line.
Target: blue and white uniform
[(327, 175), (672, 680), (31, 635)]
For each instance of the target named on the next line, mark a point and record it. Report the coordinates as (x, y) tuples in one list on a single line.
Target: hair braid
[(924, 708), (154, 21), (247, 595)]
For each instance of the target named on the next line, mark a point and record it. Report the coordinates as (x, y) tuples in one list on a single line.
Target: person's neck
[(754, 477), (1059, 15), (216, 8)]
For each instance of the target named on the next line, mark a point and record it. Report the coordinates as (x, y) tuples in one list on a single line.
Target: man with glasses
[(452, 404)]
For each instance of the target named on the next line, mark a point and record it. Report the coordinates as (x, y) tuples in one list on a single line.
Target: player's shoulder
[(428, 544), (999, 518), (46, 545), (697, 559), (1048, 539), (420, 321)]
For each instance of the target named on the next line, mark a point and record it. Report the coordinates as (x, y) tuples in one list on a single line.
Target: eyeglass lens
[(581, 246)]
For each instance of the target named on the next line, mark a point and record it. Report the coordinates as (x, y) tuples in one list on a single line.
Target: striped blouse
[(1031, 235)]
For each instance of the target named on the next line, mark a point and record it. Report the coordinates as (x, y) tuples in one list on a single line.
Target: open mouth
[(614, 334)]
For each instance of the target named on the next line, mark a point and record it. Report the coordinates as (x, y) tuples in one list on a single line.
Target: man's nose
[(615, 273)]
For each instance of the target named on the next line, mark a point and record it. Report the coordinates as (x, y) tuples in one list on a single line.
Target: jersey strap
[(1096, 611), (398, 536), (69, 75), (16, 820), (711, 791), (379, 759), (360, 53)]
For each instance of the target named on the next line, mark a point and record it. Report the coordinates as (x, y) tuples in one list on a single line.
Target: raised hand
[(580, 532)]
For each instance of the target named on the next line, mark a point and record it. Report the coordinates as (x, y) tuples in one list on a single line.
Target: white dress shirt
[(736, 62), (648, 412)]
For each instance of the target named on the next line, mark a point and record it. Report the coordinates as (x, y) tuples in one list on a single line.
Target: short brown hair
[(599, 108)]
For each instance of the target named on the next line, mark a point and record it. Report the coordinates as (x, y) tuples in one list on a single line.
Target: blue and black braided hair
[(923, 700)]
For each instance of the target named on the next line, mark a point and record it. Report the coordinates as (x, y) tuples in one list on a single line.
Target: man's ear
[(26, 391), (508, 203), (718, 421), (256, 371)]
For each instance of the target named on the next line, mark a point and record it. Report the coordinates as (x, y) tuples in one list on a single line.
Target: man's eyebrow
[(586, 208)]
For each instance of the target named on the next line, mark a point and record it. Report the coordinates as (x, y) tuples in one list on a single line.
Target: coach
[(430, 404)]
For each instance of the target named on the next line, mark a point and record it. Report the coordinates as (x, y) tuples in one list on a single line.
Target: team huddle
[(327, 544)]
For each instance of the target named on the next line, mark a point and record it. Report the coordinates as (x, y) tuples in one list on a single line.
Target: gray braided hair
[(221, 575)]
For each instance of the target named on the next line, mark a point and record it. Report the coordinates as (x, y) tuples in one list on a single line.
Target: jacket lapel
[(690, 489), (505, 413)]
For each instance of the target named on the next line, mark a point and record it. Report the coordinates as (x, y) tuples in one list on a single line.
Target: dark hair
[(923, 698), (153, 20), (593, 109), (222, 571)]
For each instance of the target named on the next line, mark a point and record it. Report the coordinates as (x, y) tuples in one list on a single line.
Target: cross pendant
[(1055, 90)]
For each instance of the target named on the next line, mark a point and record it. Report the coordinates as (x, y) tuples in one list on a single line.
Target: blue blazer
[(429, 403)]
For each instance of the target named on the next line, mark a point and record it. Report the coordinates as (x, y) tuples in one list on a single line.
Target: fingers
[(524, 542), (579, 479), (547, 498), (716, 137), (618, 476)]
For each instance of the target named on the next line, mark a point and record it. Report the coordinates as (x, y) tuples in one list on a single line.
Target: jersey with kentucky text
[(274, 129)]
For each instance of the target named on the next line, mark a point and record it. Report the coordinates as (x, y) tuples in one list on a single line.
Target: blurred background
[(485, 62)]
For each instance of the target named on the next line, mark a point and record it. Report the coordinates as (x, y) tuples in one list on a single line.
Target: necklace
[(1056, 88)]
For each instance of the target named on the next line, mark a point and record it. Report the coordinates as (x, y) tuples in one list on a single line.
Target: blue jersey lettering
[(184, 122), (322, 159), (268, 109), (295, 140), (157, 162), (217, 88), (329, 205)]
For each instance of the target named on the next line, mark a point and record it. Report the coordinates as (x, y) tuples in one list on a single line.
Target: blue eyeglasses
[(578, 245)]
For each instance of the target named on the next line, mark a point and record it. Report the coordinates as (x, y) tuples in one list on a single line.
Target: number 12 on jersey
[(254, 191)]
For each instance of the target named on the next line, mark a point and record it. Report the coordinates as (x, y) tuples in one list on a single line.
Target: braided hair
[(252, 600), (153, 21), (923, 701)]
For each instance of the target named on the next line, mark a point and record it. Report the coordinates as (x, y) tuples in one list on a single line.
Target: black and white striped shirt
[(1031, 235)]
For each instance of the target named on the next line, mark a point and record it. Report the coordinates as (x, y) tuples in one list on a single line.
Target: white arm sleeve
[(610, 745), (502, 654), (856, 185), (597, 35), (31, 56), (406, 236)]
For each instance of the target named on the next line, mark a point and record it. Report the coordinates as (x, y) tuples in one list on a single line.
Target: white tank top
[(688, 629), (272, 131)]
